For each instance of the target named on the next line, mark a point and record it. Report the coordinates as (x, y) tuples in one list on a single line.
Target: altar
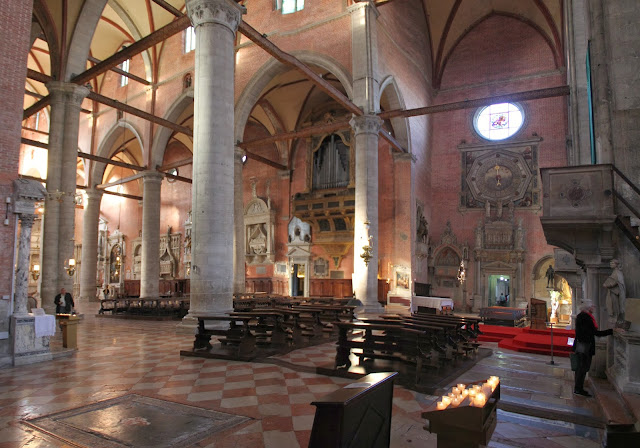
[(430, 302)]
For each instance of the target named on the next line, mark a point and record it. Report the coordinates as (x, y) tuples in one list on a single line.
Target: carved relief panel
[(169, 254)]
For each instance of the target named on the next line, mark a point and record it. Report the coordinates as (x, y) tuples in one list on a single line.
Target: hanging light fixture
[(462, 273), (367, 249)]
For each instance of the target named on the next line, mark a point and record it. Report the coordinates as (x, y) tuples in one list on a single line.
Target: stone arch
[(137, 35), (273, 68), (82, 37), (400, 125), (105, 146), (161, 140), (538, 273)]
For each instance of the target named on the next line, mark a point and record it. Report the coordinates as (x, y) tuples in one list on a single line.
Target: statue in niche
[(499, 214), (487, 209), (479, 236), (511, 207), (550, 274), (422, 227), (519, 234), (616, 293)]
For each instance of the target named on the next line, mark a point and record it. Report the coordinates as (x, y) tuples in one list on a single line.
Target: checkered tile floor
[(116, 357)]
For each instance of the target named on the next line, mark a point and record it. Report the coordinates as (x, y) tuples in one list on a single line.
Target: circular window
[(498, 121)]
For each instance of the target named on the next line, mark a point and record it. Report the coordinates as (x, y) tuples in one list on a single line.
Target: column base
[(26, 347)]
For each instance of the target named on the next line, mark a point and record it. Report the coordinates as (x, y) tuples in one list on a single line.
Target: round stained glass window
[(498, 121)]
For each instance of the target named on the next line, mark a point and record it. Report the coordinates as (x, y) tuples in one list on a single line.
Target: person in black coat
[(64, 302), (585, 346)]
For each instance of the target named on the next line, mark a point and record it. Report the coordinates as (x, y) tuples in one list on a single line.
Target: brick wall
[(15, 17)]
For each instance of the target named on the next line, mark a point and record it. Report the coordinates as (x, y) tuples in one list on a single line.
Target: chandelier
[(462, 273)]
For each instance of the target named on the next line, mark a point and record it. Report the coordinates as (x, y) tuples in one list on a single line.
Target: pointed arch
[(82, 37), (161, 140), (105, 149), (272, 68), (390, 91)]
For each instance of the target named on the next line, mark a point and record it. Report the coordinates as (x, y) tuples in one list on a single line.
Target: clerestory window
[(289, 6), (189, 39)]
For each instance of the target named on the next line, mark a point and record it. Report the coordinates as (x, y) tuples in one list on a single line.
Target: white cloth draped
[(45, 325)]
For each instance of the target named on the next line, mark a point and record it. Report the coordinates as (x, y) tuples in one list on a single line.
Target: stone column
[(365, 276), (601, 88), (215, 22), (22, 266), (238, 235), (89, 263), (150, 263), (59, 222), (364, 50)]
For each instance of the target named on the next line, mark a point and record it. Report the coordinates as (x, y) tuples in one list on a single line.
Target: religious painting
[(115, 263), (402, 280)]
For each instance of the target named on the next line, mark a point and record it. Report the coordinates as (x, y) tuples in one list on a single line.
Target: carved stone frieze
[(259, 224)]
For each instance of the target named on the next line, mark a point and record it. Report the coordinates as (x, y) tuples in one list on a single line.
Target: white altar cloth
[(45, 325), (430, 302)]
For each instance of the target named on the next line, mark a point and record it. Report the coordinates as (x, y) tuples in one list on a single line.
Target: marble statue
[(616, 293)]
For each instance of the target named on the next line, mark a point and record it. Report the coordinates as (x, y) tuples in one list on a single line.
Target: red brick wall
[(485, 63), (15, 17)]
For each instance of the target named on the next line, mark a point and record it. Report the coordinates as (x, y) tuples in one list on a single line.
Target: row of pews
[(421, 340), (176, 307), (270, 324)]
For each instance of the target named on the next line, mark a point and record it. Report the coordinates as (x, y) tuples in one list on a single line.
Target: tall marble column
[(364, 50), (150, 263), (215, 22), (365, 281), (22, 266), (59, 222), (238, 234), (89, 263)]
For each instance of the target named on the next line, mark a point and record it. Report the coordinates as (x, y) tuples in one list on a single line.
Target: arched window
[(189, 39), (289, 6), (498, 121), (331, 164)]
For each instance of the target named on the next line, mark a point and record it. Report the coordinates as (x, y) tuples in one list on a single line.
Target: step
[(621, 424)]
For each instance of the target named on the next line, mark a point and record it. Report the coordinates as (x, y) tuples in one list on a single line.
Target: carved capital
[(366, 124), (93, 194), (26, 220), (65, 92), (223, 12), (152, 177)]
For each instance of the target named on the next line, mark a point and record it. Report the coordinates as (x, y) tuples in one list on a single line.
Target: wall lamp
[(71, 267), (35, 272)]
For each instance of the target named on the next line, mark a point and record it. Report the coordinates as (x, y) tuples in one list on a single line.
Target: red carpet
[(528, 340)]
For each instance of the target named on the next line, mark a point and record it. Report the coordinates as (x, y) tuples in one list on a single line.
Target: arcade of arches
[(213, 147)]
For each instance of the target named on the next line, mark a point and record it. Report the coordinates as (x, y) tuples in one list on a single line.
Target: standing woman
[(585, 345)]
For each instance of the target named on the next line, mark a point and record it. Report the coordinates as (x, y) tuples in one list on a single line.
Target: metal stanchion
[(551, 362)]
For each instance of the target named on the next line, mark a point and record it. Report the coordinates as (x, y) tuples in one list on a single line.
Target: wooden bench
[(344, 418), (236, 336), (383, 341)]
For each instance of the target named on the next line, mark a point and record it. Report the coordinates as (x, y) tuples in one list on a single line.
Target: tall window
[(331, 164), (289, 6), (125, 68), (189, 39)]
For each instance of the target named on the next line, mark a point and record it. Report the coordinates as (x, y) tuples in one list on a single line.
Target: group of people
[(503, 300)]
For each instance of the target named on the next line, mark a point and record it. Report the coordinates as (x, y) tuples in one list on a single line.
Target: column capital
[(27, 219), (93, 194), (152, 177), (366, 124), (67, 92), (222, 12)]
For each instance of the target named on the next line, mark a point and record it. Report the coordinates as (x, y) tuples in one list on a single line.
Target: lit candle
[(441, 405), (456, 401), (480, 400), (477, 387), (461, 387), (455, 391), (472, 392), (452, 395), (446, 400), (486, 389), (464, 393)]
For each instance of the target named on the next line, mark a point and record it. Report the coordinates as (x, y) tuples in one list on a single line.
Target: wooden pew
[(383, 341), (236, 336)]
